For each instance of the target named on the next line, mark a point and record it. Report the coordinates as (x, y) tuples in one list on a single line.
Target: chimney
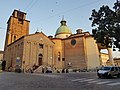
[(79, 31), (50, 37)]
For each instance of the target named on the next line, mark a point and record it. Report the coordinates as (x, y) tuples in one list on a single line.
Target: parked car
[(108, 72)]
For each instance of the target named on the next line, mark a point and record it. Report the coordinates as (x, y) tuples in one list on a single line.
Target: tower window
[(14, 38), (20, 21), (20, 15)]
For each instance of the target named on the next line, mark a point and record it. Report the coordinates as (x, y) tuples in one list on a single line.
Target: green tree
[(106, 23)]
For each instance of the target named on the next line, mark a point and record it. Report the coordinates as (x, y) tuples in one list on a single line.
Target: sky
[(45, 15)]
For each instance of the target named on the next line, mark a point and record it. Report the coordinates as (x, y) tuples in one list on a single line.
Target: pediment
[(39, 38)]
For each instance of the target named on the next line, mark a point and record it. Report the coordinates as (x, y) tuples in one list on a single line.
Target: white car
[(108, 72)]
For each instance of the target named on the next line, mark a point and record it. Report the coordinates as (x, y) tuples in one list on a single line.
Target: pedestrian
[(3, 65), (67, 71), (43, 70), (63, 70)]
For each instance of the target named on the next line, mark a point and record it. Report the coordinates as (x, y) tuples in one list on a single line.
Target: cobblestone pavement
[(65, 81)]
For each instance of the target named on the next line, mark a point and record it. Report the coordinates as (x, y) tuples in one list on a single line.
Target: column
[(110, 56)]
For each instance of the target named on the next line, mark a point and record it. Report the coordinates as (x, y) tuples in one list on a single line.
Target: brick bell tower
[(17, 26)]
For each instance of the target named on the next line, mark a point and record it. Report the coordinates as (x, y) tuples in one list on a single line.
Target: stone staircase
[(41, 69)]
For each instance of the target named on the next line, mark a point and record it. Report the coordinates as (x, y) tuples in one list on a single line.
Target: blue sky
[(47, 14)]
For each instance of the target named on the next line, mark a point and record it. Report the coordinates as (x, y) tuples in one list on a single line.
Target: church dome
[(63, 31)]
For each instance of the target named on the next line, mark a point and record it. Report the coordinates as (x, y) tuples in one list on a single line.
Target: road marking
[(103, 82), (49, 75), (112, 84), (90, 81), (86, 80), (94, 81), (78, 79)]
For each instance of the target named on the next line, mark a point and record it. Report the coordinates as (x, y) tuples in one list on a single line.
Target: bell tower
[(17, 26)]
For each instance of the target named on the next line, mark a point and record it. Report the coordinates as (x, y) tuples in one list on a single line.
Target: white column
[(110, 56)]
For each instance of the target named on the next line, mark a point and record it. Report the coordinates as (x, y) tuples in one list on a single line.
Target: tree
[(107, 25), (117, 23)]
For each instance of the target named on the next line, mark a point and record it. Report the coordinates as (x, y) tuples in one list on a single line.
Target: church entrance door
[(40, 59)]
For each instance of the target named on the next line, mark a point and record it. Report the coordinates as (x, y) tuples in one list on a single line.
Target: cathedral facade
[(64, 50)]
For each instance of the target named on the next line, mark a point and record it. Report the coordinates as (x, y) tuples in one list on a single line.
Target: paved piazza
[(63, 81)]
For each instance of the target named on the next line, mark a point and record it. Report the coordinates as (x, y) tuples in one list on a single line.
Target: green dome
[(63, 29)]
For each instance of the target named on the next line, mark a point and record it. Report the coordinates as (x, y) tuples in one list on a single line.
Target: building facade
[(1, 59), (64, 50), (104, 59), (1, 55)]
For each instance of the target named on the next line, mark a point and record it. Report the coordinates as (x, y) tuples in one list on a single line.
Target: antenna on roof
[(63, 17), (37, 31), (41, 29)]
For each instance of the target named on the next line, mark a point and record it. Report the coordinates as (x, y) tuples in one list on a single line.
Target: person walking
[(3, 65)]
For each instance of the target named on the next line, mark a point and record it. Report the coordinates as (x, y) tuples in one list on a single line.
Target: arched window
[(58, 56), (41, 45)]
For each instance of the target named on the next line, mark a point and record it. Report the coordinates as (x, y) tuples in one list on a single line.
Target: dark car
[(108, 72)]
